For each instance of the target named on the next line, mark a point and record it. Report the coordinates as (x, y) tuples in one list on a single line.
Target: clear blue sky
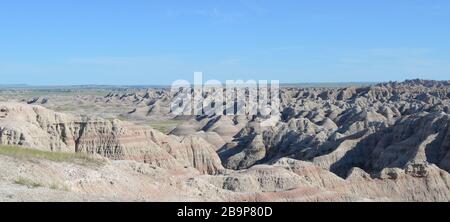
[(52, 42)]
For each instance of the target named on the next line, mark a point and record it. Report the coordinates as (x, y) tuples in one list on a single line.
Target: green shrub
[(27, 182)]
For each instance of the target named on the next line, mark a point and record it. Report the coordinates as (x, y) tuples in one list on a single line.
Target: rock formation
[(384, 142), (40, 128)]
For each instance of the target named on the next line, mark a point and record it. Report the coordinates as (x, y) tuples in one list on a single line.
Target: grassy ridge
[(26, 153)]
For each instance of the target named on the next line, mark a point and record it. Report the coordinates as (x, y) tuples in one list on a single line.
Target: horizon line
[(167, 85)]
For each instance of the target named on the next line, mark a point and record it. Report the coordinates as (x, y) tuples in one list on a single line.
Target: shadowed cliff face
[(387, 125)]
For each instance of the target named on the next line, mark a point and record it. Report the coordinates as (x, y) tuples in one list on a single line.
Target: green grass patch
[(27, 182), (35, 184), (165, 126), (26, 153)]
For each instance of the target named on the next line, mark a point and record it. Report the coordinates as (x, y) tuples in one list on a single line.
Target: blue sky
[(54, 42)]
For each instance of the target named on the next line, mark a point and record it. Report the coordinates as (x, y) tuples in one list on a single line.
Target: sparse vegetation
[(28, 182), (35, 184), (165, 126), (118, 117), (26, 153), (55, 186)]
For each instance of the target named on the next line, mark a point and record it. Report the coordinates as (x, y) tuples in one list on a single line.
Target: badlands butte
[(379, 142)]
